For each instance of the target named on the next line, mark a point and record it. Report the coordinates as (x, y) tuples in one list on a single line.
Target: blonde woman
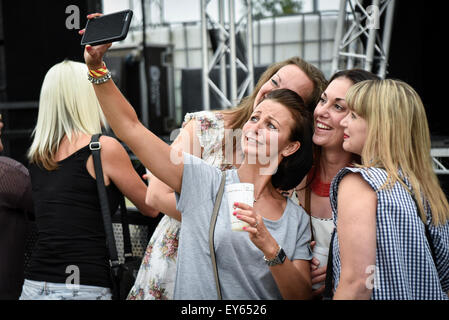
[(70, 260), (383, 207)]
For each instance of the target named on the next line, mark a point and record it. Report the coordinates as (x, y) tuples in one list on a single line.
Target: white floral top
[(156, 277)]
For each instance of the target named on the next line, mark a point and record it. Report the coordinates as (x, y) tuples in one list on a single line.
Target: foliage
[(268, 8)]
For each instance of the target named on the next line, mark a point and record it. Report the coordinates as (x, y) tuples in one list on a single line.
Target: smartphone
[(108, 28)]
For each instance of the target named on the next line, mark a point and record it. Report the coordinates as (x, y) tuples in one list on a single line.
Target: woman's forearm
[(118, 111), (352, 290), (293, 284), (163, 200)]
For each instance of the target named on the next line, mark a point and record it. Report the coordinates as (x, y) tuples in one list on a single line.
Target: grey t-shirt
[(242, 270)]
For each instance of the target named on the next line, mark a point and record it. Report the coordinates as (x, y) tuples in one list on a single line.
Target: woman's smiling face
[(329, 112)]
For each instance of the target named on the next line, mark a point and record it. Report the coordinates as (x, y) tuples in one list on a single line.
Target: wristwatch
[(278, 259)]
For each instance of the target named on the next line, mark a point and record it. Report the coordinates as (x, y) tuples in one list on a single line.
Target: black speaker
[(37, 35), (159, 60), (128, 66), (418, 58), (191, 84), (34, 36)]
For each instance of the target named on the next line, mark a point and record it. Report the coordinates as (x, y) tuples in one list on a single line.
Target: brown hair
[(243, 111), (293, 169)]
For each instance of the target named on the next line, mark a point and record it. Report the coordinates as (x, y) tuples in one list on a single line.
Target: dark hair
[(294, 168), (355, 75)]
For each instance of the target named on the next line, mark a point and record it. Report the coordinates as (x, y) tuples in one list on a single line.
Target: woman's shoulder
[(376, 177), (208, 127), (12, 166), (111, 147), (207, 119), (110, 142), (295, 210)]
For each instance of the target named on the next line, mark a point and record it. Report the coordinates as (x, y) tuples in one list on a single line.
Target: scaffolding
[(357, 38), (226, 46)]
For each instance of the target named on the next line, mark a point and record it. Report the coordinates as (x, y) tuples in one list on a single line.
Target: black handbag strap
[(95, 147), (213, 222), (328, 293), (127, 247)]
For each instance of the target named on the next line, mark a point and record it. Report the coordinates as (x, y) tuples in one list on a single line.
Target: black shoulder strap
[(328, 293), (95, 147), (127, 247)]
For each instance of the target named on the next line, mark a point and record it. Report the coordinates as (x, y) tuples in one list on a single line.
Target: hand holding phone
[(108, 28)]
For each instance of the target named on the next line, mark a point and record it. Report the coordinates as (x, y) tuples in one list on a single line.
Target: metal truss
[(226, 46), (437, 154), (357, 40), (153, 9)]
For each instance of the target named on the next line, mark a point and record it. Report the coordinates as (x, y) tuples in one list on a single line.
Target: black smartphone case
[(108, 28)]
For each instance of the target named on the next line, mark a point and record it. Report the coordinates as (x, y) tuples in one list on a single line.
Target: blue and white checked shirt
[(404, 263)]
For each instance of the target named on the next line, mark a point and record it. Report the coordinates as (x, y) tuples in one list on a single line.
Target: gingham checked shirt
[(404, 265)]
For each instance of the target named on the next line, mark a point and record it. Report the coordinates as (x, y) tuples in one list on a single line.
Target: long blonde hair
[(67, 106), (398, 138)]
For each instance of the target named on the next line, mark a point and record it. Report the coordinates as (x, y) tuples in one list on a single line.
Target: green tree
[(268, 8)]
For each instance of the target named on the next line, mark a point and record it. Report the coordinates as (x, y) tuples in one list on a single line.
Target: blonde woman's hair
[(398, 138), (243, 111), (68, 106)]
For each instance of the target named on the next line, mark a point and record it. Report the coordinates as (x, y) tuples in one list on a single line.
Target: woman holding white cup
[(279, 229)]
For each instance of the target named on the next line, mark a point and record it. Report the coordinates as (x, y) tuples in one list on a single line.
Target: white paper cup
[(240, 193), (320, 253)]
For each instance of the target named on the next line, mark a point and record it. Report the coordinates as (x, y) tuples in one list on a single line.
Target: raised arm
[(154, 153), (161, 196), (356, 227)]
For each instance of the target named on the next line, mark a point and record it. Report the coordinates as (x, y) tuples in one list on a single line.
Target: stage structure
[(226, 46), (358, 42), (224, 56)]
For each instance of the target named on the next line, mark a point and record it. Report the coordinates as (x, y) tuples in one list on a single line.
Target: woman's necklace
[(320, 188)]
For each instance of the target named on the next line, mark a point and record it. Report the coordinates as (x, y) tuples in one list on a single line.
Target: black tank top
[(68, 217)]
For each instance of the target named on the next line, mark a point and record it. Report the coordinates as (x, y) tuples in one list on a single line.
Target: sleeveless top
[(404, 269), (70, 224), (157, 273)]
